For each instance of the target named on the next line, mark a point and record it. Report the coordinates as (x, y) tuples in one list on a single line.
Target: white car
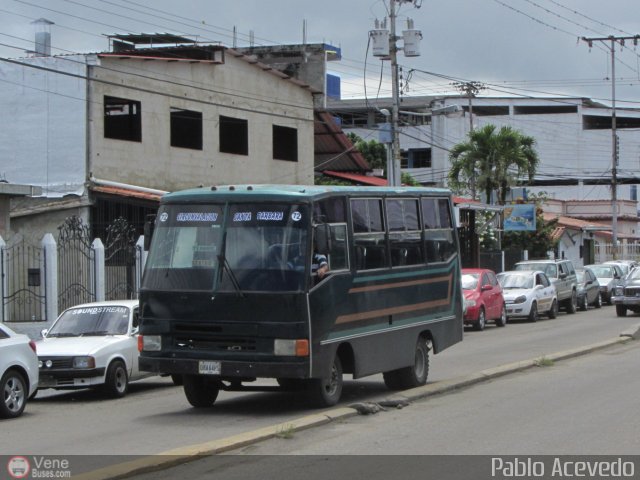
[(92, 345), (527, 294), (18, 371), (609, 275)]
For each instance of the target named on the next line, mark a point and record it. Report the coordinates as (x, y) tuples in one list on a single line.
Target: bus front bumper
[(227, 369)]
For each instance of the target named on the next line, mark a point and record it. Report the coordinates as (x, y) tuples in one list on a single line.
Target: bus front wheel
[(201, 392), (413, 376), (325, 392)]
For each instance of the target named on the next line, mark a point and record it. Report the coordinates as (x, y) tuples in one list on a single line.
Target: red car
[(483, 299)]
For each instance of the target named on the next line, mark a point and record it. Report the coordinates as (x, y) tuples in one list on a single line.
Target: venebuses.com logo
[(18, 467)]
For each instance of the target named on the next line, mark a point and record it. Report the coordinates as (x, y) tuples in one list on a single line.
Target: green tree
[(492, 159), (374, 151)]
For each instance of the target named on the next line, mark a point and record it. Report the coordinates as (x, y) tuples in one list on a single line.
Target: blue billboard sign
[(520, 217)]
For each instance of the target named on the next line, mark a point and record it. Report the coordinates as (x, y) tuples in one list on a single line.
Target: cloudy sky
[(515, 47)]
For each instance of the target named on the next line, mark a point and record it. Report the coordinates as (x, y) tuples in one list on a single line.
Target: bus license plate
[(207, 367)]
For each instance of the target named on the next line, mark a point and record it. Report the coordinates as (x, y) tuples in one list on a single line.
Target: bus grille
[(214, 343)]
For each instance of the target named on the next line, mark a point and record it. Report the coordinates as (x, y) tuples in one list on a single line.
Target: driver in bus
[(319, 265)]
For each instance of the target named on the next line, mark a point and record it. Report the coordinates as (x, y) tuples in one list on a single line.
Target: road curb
[(186, 454)]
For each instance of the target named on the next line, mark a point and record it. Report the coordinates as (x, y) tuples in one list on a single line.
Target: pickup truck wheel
[(572, 303), (621, 310), (116, 384)]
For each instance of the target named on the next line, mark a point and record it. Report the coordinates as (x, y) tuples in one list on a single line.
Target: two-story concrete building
[(104, 134)]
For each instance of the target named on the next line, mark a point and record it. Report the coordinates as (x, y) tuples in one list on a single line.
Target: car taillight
[(32, 344)]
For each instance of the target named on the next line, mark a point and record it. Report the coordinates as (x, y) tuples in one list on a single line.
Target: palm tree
[(492, 161)]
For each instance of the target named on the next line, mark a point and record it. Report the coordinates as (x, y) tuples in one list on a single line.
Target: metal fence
[(40, 281)]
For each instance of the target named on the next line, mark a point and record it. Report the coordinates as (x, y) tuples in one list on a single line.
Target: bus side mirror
[(322, 238), (149, 226)]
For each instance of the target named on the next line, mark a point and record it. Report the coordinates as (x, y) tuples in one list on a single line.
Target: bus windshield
[(241, 247)]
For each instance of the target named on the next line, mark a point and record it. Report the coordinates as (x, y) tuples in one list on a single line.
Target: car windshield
[(602, 271), (470, 281), (550, 269), (580, 275), (91, 321), (634, 274), (515, 281)]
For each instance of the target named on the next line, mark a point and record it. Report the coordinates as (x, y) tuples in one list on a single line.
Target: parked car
[(92, 345), (18, 371), (588, 288), (562, 275), (609, 275), (483, 298), (527, 294), (626, 295), (625, 265)]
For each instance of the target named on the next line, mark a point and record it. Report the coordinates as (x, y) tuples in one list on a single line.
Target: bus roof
[(288, 192)]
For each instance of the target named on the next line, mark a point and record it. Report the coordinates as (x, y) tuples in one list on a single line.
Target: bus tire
[(177, 379), (326, 392), (413, 376), (200, 392)]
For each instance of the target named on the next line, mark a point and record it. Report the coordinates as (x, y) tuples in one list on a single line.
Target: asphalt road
[(584, 407), (155, 416)]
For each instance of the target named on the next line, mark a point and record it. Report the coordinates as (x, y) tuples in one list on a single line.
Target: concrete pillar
[(98, 271), (4, 283), (49, 265)]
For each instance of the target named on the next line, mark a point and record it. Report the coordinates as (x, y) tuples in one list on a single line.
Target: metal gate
[(76, 268), (120, 261), (23, 265)]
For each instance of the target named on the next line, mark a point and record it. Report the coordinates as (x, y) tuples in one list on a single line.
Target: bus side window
[(369, 234), (338, 257), (439, 241)]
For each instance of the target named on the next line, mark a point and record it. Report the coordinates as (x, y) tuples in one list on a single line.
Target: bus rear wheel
[(413, 376), (201, 392), (326, 392)]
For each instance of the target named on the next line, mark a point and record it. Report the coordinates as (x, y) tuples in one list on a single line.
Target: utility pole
[(394, 175), (471, 89), (384, 46), (614, 137)]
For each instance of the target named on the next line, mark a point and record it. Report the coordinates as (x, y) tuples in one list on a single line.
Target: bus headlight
[(291, 348), (150, 343)]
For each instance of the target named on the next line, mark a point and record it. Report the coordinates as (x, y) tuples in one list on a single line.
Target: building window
[(122, 119), (234, 135), (285, 143), (186, 129), (420, 158)]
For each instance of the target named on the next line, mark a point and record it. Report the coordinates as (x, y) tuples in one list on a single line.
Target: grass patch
[(544, 362), (285, 431)]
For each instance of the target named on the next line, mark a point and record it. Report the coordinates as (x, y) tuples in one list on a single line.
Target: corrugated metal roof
[(354, 177), (333, 149)]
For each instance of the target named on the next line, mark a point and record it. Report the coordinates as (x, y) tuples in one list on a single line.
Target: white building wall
[(565, 148), (43, 138), (236, 89)]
